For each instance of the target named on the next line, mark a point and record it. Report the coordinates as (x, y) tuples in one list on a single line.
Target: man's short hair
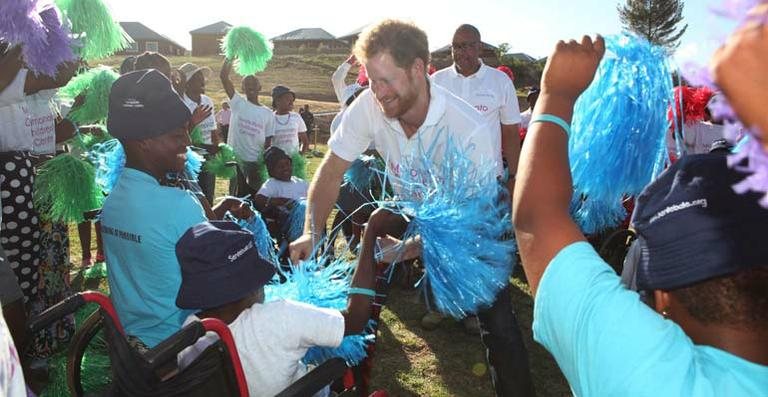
[(404, 41), (468, 28)]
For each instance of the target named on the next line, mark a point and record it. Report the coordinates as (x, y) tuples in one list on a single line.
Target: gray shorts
[(9, 285)]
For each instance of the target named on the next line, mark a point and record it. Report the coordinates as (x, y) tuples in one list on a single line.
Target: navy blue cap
[(219, 265), (692, 226), (143, 104), (278, 91)]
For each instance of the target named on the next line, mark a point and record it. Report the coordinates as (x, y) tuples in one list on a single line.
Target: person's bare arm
[(323, 192), (510, 149), (226, 69), (65, 130), (36, 83), (543, 190), (267, 142), (739, 69)]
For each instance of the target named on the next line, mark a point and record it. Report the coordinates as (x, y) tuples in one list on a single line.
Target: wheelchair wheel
[(614, 248), (87, 338)]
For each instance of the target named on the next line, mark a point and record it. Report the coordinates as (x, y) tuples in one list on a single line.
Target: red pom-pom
[(362, 76), (507, 71), (694, 103), (432, 69)]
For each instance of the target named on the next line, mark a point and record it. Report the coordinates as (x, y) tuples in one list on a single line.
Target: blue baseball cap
[(693, 227), (219, 265), (143, 104)]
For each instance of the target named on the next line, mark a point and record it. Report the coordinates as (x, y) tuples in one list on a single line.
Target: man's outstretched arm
[(543, 190)]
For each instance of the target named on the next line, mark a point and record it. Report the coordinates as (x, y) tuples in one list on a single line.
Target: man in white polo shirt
[(405, 115), (488, 90), (491, 92), (250, 125)]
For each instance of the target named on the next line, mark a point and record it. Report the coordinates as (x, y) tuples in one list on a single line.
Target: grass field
[(444, 362)]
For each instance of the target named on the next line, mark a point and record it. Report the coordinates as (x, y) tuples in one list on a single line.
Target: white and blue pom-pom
[(617, 143), (362, 171), (263, 241), (459, 212), (323, 286)]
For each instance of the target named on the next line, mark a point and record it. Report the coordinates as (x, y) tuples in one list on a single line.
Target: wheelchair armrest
[(168, 349), (57, 311), (316, 379)]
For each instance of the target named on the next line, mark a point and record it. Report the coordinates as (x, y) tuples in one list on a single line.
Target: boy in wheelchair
[(223, 277), (279, 195)]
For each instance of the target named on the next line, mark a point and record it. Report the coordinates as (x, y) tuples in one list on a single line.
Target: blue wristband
[(361, 291), (548, 118)]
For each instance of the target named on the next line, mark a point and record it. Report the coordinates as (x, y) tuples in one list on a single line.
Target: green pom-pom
[(65, 188), (196, 136), (100, 34), (299, 166), (262, 168), (248, 48), (98, 270), (95, 85), (218, 164)]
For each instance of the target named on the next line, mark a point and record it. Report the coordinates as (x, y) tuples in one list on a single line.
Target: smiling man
[(409, 119)]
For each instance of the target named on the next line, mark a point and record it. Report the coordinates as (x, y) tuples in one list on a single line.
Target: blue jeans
[(505, 350)]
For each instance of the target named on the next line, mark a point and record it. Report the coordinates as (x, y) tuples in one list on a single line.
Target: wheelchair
[(216, 372)]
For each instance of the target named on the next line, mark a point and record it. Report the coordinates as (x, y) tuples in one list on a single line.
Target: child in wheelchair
[(223, 277)]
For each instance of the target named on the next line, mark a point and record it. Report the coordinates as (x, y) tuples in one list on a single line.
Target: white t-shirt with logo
[(489, 91), (295, 189), (14, 131), (40, 114), (208, 125), (287, 129), (448, 118), (272, 338), (249, 126)]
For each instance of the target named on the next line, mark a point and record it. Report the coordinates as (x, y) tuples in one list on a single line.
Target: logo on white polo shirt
[(240, 252)]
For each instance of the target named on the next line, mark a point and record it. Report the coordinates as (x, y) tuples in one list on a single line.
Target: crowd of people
[(693, 320)]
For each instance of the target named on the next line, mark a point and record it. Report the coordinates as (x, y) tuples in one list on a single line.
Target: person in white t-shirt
[(223, 277), (194, 97), (280, 193), (490, 91), (290, 130), (251, 125), (406, 115)]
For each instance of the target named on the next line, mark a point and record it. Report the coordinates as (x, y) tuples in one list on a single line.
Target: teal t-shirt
[(141, 221), (609, 343)]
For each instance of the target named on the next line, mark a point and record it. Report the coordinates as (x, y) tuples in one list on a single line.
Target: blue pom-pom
[(617, 145), (362, 171), (295, 224), (462, 218), (322, 286), (194, 164), (265, 245)]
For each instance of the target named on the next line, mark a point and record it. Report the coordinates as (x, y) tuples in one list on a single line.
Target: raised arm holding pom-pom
[(543, 190), (739, 69)]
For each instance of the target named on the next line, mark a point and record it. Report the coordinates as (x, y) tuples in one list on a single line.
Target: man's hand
[(238, 208), (201, 113), (301, 248), (352, 60), (571, 68), (739, 69)]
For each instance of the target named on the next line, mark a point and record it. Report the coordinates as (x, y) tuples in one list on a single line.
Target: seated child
[(280, 193), (223, 277)]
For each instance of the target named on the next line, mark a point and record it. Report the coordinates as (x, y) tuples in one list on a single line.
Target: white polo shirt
[(489, 91), (208, 125), (448, 117), (249, 126)]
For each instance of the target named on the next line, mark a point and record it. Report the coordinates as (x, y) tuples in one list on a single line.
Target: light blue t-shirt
[(141, 221), (609, 343)]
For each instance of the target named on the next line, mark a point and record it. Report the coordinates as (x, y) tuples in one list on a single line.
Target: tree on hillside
[(656, 20), (501, 50)]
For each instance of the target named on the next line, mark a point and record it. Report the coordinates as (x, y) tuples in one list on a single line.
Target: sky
[(532, 27)]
